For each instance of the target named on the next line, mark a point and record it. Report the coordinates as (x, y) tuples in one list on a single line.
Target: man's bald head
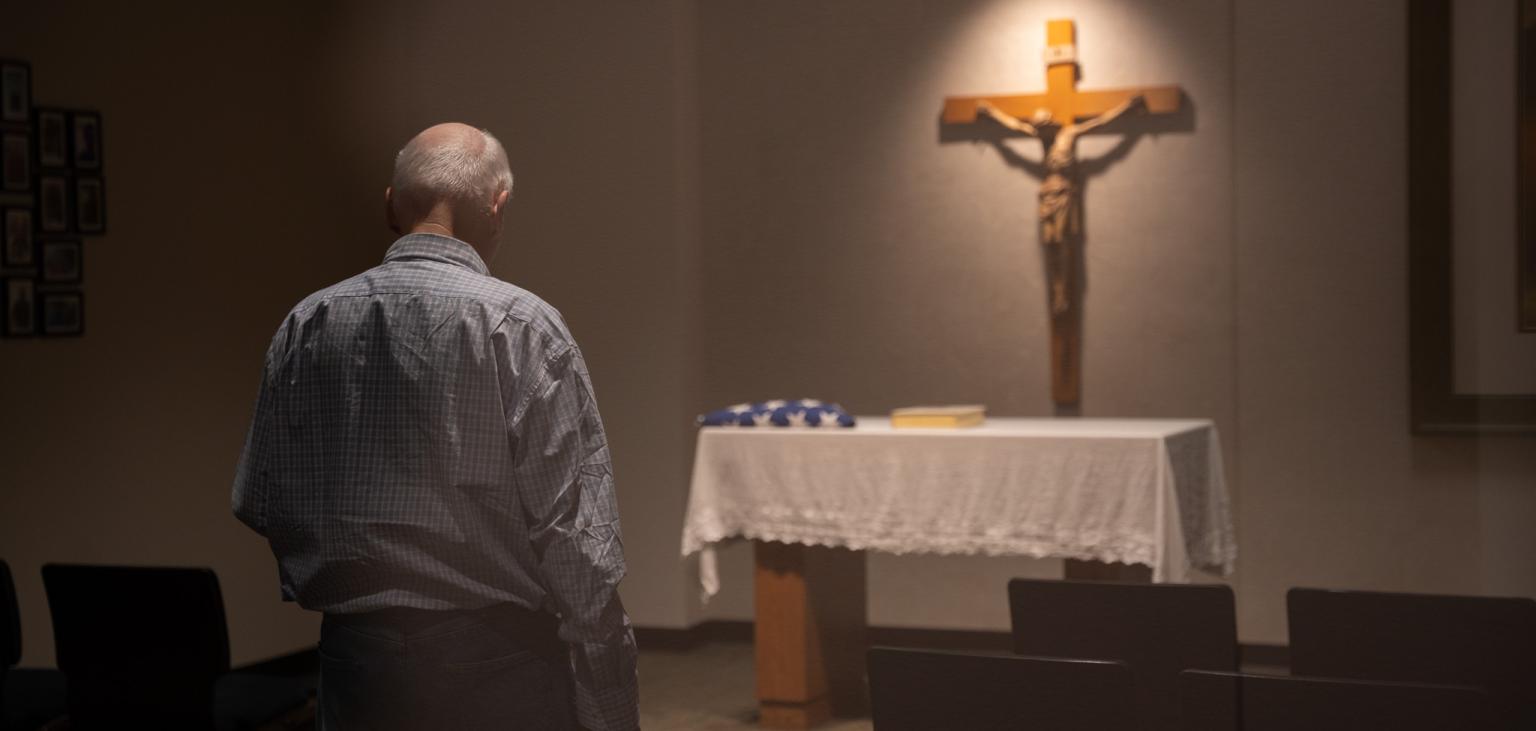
[(450, 171), (453, 163)]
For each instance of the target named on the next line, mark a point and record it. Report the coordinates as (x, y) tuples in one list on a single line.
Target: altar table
[(1132, 491)]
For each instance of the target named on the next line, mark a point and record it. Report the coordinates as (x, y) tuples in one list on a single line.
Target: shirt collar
[(434, 247)]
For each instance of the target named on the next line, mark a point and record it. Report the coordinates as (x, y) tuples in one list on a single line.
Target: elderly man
[(427, 461)]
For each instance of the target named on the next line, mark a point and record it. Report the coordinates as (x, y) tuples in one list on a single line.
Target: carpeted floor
[(710, 688), (707, 688)]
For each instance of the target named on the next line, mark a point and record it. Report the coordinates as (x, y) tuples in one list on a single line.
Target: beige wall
[(853, 256), (1251, 270), (736, 200), (1334, 490), (119, 446), (246, 157)]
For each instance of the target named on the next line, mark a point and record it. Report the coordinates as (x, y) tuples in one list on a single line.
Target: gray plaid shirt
[(426, 436)]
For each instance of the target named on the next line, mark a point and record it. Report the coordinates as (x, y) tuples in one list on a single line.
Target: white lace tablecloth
[(1144, 491)]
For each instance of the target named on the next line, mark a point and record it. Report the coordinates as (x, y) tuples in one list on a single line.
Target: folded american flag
[(804, 412)]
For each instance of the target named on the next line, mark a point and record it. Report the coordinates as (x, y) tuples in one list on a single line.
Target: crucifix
[(1056, 118)]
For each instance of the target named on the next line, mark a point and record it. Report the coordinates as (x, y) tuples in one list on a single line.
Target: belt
[(410, 620)]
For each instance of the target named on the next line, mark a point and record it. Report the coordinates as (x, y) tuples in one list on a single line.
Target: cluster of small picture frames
[(52, 194)]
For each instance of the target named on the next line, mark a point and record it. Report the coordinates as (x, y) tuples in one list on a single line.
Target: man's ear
[(389, 211), (499, 211)]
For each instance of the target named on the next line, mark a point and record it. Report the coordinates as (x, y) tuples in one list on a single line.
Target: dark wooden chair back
[(139, 646), (30, 698), (921, 690), (1239, 702), (10, 622), (10, 631), (1157, 630), (1487, 642)]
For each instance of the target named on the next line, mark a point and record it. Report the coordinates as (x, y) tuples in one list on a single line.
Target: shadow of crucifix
[(1058, 118)]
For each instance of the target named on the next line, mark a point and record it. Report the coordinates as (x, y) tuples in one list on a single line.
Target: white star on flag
[(741, 408), (797, 418), (763, 419), (775, 404), (810, 403), (826, 418)]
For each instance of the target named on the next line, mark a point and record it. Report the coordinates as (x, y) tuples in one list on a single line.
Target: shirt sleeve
[(253, 476), (565, 484)]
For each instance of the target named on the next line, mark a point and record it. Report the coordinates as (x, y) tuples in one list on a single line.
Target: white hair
[(464, 169)]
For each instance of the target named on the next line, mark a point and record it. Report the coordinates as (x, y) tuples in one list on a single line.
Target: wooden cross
[(1061, 95), (1058, 130)]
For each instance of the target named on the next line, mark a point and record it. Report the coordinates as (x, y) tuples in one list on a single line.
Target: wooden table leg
[(809, 633), (1100, 571)]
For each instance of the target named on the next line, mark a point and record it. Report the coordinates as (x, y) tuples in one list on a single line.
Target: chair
[(921, 690), (10, 622), (29, 697), (1486, 642), (1239, 702), (1157, 630), (148, 647)]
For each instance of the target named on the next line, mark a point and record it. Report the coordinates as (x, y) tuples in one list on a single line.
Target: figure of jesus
[(1061, 209)]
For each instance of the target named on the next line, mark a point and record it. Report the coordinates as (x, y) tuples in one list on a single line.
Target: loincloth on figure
[(1058, 209)]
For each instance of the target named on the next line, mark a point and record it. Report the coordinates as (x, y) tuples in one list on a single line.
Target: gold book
[(938, 417)]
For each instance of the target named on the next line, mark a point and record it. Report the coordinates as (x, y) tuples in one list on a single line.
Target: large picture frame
[(1435, 406), (1525, 300)]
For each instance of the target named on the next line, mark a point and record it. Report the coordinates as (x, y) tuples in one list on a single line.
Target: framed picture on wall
[(18, 238), (1526, 185), (15, 91), (53, 204), (20, 307), (16, 165), (1439, 403), (63, 313), (52, 129), (61, 261), (90, 206), (85, 139)]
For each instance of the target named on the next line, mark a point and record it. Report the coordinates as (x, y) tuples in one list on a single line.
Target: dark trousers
[(499, 668)]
